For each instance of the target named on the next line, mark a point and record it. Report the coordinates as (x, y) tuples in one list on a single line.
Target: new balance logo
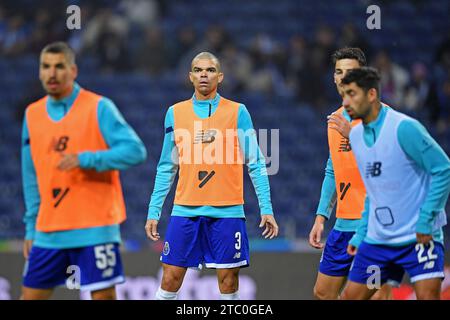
[(205, 136), (107, 273), (345, 146), (58, 196), (373, 169), (237, 255), (428, 265), (204, 177)]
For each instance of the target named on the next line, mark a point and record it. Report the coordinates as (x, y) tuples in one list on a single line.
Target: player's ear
[(372, 94), (191, 77), (220, 78), (74, 68)]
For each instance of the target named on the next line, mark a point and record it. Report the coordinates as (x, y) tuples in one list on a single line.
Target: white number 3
[(237, 235)]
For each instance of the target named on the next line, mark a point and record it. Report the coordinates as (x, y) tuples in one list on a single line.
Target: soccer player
[(73, 144), (205, 138), (342, 183), (407, 178)]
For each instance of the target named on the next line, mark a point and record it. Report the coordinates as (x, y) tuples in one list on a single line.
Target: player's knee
[(107, 294), (171, 281), (385, 293), (321, 293), (345, 295), (432, 294), (228, 284)]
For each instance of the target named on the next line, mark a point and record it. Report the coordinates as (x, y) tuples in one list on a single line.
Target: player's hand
[(151, 229), (316, 233), (423, 238), (271, 225), (27, 244), (68, 162), (351, 250), (338, 122)]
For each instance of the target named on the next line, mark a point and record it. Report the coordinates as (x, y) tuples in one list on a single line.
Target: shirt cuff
[(154, 213), (425, 223), (84, 159), (356, 240), (30, 230)]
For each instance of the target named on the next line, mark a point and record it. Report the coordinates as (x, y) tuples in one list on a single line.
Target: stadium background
[(276, 60)]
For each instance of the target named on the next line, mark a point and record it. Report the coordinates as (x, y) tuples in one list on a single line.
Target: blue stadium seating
[(144, 100)]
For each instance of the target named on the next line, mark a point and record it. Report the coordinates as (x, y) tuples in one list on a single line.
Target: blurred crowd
[(129, 37)]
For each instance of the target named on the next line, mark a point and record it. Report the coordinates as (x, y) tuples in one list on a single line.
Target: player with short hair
[(342, 184), (73, 144), (407, 178), (207, 135)]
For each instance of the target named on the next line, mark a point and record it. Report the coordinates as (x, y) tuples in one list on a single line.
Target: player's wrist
[(320, 218)]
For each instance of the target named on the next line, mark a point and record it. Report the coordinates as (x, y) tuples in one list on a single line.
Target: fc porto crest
[(166, 248)]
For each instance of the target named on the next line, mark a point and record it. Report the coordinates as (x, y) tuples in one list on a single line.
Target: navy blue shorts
[(220, 243), (419, 261), (88, 268), (335, 260)]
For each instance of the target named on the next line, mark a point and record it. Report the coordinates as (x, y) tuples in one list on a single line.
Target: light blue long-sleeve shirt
[(125, 149), (418, 145), (167, 168)]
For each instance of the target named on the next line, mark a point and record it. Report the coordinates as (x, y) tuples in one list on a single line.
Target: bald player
[(204, 139)]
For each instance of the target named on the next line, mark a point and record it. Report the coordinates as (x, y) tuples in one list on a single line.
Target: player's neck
[(201, 97), (373, 113)]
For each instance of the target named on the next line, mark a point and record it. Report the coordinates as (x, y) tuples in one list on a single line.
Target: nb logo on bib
[(373, 169)]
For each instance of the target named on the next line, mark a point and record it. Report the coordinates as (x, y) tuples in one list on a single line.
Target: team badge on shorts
[(166, 248)]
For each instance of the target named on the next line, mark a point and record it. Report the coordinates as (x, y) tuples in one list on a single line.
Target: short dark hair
[(365, 78), (60, 47), (350, 53)]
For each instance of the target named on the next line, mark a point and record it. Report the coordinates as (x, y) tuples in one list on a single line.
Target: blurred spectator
[(350, 37), (236, 66), (261, 51), (394, 80), (13, 41), (184, 42), (141, 12), (418, 90), (152, 55), (296, 62), (106, 33), (442, 76), (314, 82)]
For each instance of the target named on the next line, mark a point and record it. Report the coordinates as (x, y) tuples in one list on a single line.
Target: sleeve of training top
[(125, 147), (29, 185), (328, 192), (254, 159), (361, 232), (419, 146), (166, 170)]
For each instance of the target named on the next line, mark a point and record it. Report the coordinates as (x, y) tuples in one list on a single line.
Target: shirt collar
[(380, 118), (67, 101), (205, 103)]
